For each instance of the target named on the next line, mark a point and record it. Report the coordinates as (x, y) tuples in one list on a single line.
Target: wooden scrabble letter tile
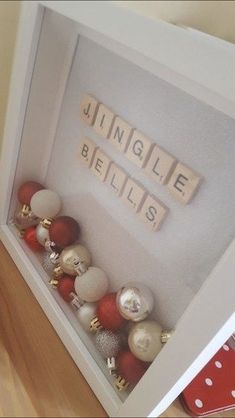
[(86, 151), (88, 109), (116, 179), (138, 149), (183, 183), (120, 134), (103, 121), (133, 194), (160, 165), (153, 213), (100, 165)]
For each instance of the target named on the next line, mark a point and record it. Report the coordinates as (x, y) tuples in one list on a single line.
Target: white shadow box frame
[(195, 65)]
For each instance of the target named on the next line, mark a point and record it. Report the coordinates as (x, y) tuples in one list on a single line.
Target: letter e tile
[(153, 213), (138, 149), (116, 179), (103, 121), (184, 183), (100, 165), (133, 194), (87, 149), (88, 109)]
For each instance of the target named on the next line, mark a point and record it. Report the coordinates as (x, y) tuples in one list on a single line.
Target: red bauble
[(130, 368), (64, 231), (27, 190), (108, 313), (66, 287), (30, 238)]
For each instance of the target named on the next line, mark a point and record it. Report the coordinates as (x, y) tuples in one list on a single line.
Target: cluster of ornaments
[(126, 339)]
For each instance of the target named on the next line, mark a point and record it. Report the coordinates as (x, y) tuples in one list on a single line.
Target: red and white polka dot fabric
[(213, 389)]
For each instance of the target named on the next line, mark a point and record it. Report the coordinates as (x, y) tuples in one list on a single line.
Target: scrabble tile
[(138, 148), (120, 134), (88, 109), (87, 150), (103, 121), (160, 165), (100, 165), (183, 183), (153, 213), (133, 194), (116, 179)]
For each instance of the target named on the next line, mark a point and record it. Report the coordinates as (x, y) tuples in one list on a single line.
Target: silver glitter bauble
[(135, 301), (49, 261), (22, 221), (108, 343)]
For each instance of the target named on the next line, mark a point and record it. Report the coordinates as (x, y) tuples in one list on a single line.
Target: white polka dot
[(233, 393), (226, 347), (198, 403), (218, 364), (208, 381)]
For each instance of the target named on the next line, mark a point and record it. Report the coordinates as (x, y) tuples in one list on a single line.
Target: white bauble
[(92, 285), (45, 204), (42, 234), (85, 314)]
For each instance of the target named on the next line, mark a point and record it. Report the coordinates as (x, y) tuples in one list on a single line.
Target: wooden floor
[(38, 378)]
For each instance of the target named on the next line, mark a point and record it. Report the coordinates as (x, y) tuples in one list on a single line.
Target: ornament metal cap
[(121, 383), (46, 222), (26, 210), (76, 301), (80, 266), (58, 272), (165, 336), (54, 258), (54, 282), (95, 325), (111, 363)]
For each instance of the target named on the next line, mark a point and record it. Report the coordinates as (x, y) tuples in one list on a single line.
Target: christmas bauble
[(108, 313), (135, 301), (64, 231), (30, 238), (92, 285), (108, 343), (65, 287), (71, 257), (129, 367), (45, 204), (144, 340), (42, 234), (85, 315), (27, 190), (22, 221)]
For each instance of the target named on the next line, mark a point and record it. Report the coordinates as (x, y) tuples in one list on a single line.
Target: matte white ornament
[(145, 340), (92, 285), (42, 234), (45, 204), (85, 314)]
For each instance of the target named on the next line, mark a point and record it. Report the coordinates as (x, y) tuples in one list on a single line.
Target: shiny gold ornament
[(144, 340), (121, 384), (75, 260)]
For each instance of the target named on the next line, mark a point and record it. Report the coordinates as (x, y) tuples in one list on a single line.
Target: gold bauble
[(144, 340), (73, 255)]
